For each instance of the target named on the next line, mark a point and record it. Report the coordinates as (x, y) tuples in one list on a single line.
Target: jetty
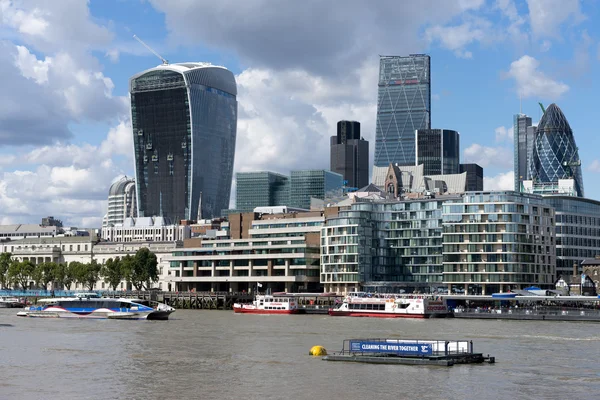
[(409, 352)]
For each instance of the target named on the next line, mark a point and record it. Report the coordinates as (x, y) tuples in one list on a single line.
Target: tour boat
[(91, 305), (269, 304), (361, 304), (10, 302)]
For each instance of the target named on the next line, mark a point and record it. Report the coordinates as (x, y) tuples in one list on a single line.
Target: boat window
[(403, 305), (125, 305)]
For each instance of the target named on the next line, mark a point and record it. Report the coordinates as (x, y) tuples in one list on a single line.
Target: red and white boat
[(269, 304), (361, 304)]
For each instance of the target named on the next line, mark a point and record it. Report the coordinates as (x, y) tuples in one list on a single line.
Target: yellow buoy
[(317, 351)]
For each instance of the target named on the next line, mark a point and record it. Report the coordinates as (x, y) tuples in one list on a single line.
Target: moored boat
[(269, 304), (361, 304), (91, 305), (10, 302)]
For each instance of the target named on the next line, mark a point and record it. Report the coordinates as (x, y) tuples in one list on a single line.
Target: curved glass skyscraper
[(184, 119), (554, 154)]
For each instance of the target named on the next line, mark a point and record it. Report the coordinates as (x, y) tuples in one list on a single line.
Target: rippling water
[(221, 355)]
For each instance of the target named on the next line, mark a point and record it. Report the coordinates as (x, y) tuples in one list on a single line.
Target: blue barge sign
[(416, 349)]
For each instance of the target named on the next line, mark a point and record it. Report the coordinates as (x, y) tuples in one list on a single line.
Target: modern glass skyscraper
[(403, 106), (184, 119), (523, 141), (261, 189), (438, 150), (554, 153)]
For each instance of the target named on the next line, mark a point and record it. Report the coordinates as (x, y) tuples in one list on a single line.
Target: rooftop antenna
[(165, 62)]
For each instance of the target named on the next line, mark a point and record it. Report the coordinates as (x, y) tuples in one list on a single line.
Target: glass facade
[(474, 176), (555, 155), (403, 106), (496, 241), (523, 140), (320, 184), (438, 150), (260, 189), (577, 232), (184, 119)]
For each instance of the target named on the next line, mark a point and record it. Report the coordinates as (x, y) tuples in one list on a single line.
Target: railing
[(554, 311)]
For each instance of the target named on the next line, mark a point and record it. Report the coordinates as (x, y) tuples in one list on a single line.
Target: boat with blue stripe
[(93, 306)]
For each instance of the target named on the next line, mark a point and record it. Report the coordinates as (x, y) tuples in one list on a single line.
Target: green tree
[(67, 273), (77, 272), (91, 274), (20, 272), (144, 269), (5, 259), (112, 272), (46, 272)]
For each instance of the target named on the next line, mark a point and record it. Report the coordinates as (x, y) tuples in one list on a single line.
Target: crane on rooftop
[(164, 61)]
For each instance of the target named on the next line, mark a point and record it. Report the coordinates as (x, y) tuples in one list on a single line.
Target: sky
[(300, 66)]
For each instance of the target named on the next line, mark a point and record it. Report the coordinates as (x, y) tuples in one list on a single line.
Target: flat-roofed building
[(146, 229)]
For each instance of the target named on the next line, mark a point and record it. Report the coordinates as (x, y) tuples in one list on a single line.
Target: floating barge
[(409, 352)]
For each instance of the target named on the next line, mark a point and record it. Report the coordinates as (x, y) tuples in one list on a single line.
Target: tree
[(91, 274), (144, 269), (69, 273), (59, 273), (5, 259), (20, 272), (77, 272), (112, 272), (43, 273)]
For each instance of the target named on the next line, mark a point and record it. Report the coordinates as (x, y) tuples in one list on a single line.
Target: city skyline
[(65, 129)]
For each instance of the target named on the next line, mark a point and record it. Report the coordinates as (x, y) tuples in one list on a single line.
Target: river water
[(202, 354)]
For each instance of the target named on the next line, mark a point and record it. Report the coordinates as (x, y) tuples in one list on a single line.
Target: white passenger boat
[(91, 305), (361, 304), (269, 304)]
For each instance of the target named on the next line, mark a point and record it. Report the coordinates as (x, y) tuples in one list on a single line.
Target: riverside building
[(184, 119), (146, 229), (278, 251), (497, 241)]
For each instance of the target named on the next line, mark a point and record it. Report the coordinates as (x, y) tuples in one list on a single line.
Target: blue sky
[(300, 67)]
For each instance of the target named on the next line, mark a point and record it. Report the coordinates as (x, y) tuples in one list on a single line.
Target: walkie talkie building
[(184, 119)]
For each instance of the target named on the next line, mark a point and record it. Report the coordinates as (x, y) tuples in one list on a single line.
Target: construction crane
[(541, 105), (164, 61)]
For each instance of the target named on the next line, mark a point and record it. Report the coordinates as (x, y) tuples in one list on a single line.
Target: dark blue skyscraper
[(184, 119), (403, 106), (554, 154)]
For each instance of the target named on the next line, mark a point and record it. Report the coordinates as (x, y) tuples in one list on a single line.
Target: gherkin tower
[(554, 154)]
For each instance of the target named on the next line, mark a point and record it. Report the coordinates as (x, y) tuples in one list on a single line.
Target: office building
[(278, 251), (438, 150), (523, 135), (51, 221), (122, 202), (577, 232), (146, 229), (350, 155), (184, 119), (555, 158), (261, 189), (403, 106), (474, 176), (498, 241), (320, 184)]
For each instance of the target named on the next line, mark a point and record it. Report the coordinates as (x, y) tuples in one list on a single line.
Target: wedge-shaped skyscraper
[(554, 154), (184, 119)]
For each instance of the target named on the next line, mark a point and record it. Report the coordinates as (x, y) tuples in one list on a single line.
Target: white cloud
[(456, 38), (500, 157), (531, 82), (594, 166), (502, 181), (504, 134), (31, 67), (547, 16), (545, 46)]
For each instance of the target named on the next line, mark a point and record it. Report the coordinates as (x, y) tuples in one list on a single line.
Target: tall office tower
[(350, 154), (320, 184), (438, 150), (523, 142), (184, 119), (474, 176), (121, 202), (403, 106), (554, 155), (261, 189)]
